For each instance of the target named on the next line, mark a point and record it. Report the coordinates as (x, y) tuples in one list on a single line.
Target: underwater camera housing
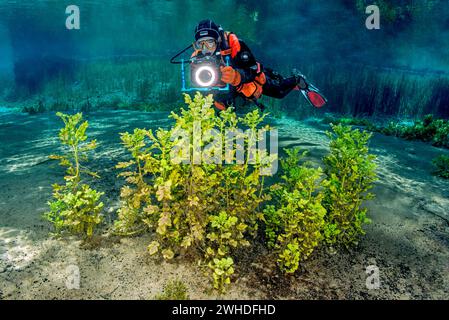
[(205, 72)]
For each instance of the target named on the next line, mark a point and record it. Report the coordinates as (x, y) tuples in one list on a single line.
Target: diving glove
[(230, 75)]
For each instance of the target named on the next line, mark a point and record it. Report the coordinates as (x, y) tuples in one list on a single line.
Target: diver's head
[(207, 37)]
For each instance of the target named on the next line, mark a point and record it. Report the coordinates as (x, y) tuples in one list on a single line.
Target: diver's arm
[(247, 75), (245, 63)]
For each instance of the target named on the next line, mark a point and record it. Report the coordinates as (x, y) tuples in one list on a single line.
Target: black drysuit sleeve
[(245, 63)]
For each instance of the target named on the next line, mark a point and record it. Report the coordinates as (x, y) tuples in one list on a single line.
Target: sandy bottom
[(408, 239)]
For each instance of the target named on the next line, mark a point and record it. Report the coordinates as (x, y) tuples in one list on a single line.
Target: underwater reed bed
[(143, 84), (6, 85), (367, 92), (364, 91), (149, 85)]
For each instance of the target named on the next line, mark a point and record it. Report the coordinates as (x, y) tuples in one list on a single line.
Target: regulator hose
[(172, 60)]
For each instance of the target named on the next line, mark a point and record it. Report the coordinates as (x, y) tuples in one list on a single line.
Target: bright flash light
[(210, 71)]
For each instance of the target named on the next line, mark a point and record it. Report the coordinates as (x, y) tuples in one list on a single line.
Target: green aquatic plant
[(392, 129), (423, 130), (136, 194), (222, 269), (180, 189), (225, 233), (347, 121), (140, 83), (441, 166), (350, 170), (174, 290), (34, 109), (76, 206), (429, 129), (441, 137), (294, 223)]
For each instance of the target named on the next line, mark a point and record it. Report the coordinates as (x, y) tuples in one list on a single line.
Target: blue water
[(115, 69), (327, 40)]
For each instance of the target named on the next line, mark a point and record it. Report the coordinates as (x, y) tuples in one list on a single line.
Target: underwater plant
[(353, 121), (194, 203), (222, 269), (351, 172), (174, 290), (421, 130), (441, 137), (294, 223), (441, 166), (76, 206), (34, 109), (429, 129), (136, 194), (392, 129)]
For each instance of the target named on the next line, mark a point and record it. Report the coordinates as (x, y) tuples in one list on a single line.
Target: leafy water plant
[(423, 130), (179, 187), (136, 194), (174, 289), (350, 170), (441, 137), (441, 165), (222, 269), (294, 223), (76, 206), (429, 129)]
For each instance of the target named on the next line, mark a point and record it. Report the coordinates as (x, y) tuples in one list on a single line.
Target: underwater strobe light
[(205, 76)]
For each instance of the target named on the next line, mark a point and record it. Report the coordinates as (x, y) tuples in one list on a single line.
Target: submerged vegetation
[(207, 210), (312, 206), (195, 206), (220, 217), (295, 222), (146, 86), (76, 206), (441, 165), (174, 289), (126, 85), (350, 170), (434, 131), (135, 195)]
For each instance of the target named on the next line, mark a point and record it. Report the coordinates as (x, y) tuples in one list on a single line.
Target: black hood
[(207, 28)]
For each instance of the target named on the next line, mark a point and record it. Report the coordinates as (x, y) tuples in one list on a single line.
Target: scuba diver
[(239, 70)]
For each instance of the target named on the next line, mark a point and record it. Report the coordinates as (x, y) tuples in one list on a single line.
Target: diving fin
[(308, 90), (313, 96)]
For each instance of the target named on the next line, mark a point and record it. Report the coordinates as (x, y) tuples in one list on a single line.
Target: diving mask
[(207, 44)]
